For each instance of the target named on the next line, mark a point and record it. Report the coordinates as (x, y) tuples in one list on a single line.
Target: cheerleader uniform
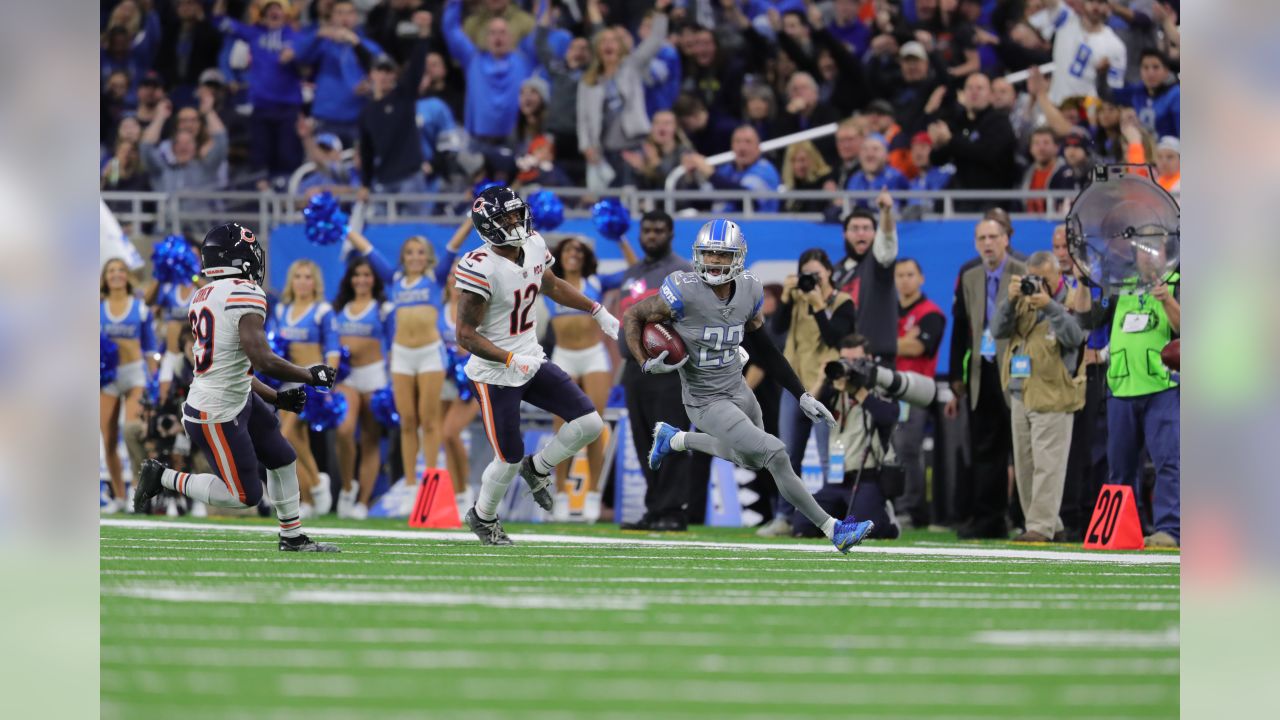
[(426, 290), (377, 322), (135, 324), (173, 306), (577, 363), (312, 327)]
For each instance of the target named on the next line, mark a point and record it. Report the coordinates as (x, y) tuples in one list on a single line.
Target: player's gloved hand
[(605, 320), (293, 399), (816, 411), (526, 365), (322, 376), (656, 366)]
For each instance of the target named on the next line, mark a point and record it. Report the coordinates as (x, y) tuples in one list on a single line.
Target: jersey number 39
[(202, 329)]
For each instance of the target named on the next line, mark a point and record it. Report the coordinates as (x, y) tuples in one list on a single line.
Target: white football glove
[(816, 411), (605, 320), (526, 365), (656, 366)]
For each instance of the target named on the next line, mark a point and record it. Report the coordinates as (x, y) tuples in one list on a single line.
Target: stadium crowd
[(409, 96)]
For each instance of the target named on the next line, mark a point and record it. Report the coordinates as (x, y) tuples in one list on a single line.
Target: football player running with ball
[(714, 309), (498, 285), (228, 412)]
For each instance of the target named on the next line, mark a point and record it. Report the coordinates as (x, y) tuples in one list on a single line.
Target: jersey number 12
[(520, 310)]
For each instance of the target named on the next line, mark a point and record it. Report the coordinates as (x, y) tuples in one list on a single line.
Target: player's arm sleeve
[(931, 329), (670, 294), (767, 355), (472, 277)]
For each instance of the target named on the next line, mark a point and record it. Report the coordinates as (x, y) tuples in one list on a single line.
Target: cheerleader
[(416, 290), (580, 351), (362, 323), (126, 320), (170, 302), (302, 318)]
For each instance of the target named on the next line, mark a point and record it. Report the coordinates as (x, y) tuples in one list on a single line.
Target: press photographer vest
[(1050, 388), (1135, 368), (805, 348)]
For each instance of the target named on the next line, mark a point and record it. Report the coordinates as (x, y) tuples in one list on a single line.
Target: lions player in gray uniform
[(714, 309)]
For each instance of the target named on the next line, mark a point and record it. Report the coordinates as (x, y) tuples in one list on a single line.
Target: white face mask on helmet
[(719, 236)]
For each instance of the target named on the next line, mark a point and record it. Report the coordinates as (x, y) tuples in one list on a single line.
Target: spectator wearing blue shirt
[(748, 171), (847, 28), (275, 88), (341, 59), (874, 172), (928, 176), (1157, 99), (493, 76), (662, 77), (332, 173)]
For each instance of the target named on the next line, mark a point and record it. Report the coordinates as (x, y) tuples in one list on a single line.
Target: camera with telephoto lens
[(1032, 284), (859, 373), (807, 282)]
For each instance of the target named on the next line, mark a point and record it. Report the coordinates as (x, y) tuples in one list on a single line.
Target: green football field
[(208, 620)]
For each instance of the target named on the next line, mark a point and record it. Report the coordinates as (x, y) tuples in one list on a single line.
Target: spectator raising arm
[(460, 46)]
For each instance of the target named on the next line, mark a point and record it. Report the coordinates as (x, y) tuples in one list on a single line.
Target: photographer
[(1038, 371), (865, 420), (813, 316), (166, 439)]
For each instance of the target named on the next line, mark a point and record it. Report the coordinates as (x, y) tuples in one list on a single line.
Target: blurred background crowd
[(406, 97)]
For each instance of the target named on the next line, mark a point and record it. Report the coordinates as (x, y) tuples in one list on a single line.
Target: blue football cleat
[(850, 532), (662, 434)]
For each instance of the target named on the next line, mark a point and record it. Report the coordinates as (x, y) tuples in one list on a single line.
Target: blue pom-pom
[(611, 218), (383, 405), (269, 381), (324, 411), (108, 360), (325, 223), (458, 371), (173, 260), (344, 363), (152, 389), (484, 185), (547, 210), (279, 345)]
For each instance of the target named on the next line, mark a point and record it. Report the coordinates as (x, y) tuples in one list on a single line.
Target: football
[(1171, 355), (661, 336)]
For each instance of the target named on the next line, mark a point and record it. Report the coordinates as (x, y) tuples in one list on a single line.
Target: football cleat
[(850, 532), (490, 532), (662, 434), (302, 543), (148, 484), (539, 485)]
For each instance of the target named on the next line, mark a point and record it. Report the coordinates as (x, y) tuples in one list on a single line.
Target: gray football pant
[(733, 429)]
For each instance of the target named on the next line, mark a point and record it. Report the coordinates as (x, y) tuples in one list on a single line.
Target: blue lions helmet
[(719, 236)]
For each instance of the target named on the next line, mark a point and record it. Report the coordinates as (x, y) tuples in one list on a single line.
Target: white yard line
[(1057, 639), (816, 546)]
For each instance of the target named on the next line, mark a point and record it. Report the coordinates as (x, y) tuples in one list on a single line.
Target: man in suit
[(975, 372)]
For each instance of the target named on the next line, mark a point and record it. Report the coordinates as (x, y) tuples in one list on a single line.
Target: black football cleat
[(149, 486), (302, 543), (540, 486), (490, 532)]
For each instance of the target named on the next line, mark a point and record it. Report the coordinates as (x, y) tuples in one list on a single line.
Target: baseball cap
[(213, 76), (1077, 138), (913, 49), (921, 138), (329, 141), (880, 106), (151, 78), (1169, 142), (384, 62)]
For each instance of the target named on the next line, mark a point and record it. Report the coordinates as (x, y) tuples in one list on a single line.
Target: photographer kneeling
[(1038, 371), (865, 418)]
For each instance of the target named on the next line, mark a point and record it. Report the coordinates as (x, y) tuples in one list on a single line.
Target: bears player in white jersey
[(228, 412), (499, 284), (716, 309)]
